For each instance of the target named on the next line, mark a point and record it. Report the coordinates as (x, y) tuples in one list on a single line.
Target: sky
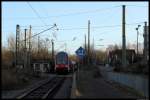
[(72, 18)]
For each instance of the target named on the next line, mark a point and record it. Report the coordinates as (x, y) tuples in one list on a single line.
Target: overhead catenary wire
[(36, 13), (41, 32), (69, 14), (81, 28), (95, 27), (35, 25), (135, 6), (109, 26)]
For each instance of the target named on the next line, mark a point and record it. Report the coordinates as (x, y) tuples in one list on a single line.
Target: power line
[(54, 35), (69, 14), (36, 13), (95, 27), (134, 23), (42, 31), (79, 28), (37, 26), (135, 6), (85, 27), (64, 41)]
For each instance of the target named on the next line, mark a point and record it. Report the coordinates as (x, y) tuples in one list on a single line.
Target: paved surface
[(90, 85), (136, 83)]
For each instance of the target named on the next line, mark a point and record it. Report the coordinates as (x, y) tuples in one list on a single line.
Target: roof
[(119, 51), (62, 52)]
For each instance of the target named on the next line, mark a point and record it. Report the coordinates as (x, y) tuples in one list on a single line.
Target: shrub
[(9, 79)]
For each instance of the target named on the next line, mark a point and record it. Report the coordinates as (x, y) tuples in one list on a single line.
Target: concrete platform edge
[(73, 95)]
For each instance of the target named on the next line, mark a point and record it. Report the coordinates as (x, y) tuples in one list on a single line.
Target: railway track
[(46, 90)]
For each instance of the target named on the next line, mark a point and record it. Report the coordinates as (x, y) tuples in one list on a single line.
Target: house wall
[(41, 67)]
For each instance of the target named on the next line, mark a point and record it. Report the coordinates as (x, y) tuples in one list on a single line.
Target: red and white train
[(62, 62)]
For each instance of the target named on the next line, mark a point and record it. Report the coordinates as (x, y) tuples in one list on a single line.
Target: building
[(115, 56), (41, 65)]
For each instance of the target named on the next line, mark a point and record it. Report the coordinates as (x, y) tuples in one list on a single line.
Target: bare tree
[(11, 43), (115, 47), (8, 53)]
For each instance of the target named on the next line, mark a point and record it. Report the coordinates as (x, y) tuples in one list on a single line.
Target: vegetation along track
[(46, 90)]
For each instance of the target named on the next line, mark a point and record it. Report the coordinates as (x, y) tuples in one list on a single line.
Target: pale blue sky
[(75, 15)]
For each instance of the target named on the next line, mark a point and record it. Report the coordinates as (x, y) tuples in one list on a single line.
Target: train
[(62, 62)]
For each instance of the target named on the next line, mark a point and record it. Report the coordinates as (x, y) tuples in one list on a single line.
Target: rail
[(46, 90)]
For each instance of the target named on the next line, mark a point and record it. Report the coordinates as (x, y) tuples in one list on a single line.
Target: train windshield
[(62, 59)]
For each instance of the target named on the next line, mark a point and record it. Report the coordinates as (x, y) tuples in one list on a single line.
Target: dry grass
[(12, 80), (9, 80)]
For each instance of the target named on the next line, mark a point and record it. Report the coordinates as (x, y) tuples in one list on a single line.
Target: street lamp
[(137, 36)]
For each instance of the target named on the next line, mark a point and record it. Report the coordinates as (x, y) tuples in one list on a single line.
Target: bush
[(137, 68), (9, 80)]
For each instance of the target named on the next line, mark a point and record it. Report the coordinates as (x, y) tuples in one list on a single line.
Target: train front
[(62, 62)]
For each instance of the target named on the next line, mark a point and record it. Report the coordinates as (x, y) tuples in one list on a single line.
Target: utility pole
[(17, 44), (52, 50), (137, 41), (30, 47), (93, 43), (25, 52), (93, 56), (85, 41), (123, 38), (85, 50), (88, 41), (145, 35), (137, 37), (30, 39), (25, 39), (38, 43)]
